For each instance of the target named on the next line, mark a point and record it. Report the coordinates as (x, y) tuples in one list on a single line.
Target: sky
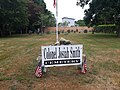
[(66, 8)]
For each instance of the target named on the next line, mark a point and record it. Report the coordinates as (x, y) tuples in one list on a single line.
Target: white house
[(68, 21)]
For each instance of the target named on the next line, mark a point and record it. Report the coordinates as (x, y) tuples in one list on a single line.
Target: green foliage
[(39, 2), (13, 14), (82, 3), (80, 23), (65, 23), (47, 19), (105, 28), (60, 24), (109, 25), (39, 16), (102, 12), (5, 78), (17, 15)]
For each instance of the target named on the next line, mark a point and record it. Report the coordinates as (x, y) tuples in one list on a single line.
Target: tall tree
[(39, 16), (16, 15), (13, 14), (102, 12)]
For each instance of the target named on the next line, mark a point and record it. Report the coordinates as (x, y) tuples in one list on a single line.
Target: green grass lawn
[(18, 61)]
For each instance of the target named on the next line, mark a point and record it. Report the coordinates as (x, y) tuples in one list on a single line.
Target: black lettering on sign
[(74, 53), (50, 54), (63, 54), (55, 62)]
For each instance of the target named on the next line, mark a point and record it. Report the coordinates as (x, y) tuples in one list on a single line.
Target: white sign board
[(61, 55)]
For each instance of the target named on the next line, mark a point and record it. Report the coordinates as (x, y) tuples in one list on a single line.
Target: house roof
[(68, 18)]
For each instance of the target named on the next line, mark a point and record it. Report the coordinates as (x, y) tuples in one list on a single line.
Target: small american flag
[(38, 71), (84, 68)]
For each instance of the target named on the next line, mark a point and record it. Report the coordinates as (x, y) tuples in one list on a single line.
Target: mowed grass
[(18, 62)]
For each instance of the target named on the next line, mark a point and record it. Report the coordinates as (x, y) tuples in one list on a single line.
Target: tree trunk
[(20, 31), (0, 33), (93, 31), (118, 33), (26, 30), (10, 33)]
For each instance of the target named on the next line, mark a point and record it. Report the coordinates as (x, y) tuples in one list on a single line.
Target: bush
[(76, 30), (71, 30), (105, 28), (68, 31), (85, 31), (90, 31)]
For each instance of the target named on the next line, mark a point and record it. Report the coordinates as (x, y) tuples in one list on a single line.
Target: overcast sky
[(66, 8)]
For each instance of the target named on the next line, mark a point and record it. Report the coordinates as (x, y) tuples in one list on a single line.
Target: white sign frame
[(64, 55)]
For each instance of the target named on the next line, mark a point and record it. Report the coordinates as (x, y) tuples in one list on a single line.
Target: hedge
[(105, 28)]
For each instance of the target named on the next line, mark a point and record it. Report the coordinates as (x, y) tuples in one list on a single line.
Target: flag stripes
[(38, 71), (84, 66)]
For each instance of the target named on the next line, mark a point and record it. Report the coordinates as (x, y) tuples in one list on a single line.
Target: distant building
[(68, 21)]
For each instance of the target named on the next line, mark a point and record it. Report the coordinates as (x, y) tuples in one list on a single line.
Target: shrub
[(76, 30), (85, 31), (90, 31), (68, 31), (105, 28), (71, 30)]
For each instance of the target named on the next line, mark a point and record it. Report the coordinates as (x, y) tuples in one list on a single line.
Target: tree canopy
[(18, 15), (80, 23), (101, 12), (12, 14)]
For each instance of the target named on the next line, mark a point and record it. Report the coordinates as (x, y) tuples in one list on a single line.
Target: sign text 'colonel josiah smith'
[(53, 54)]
